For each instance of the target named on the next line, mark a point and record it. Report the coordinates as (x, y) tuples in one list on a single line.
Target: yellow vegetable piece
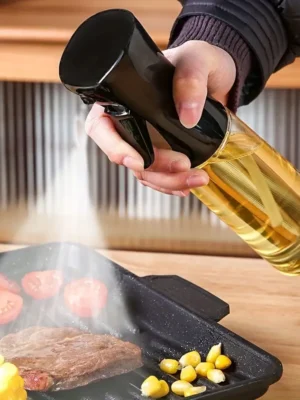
[(194, 390), (169, 366), (223, 362), (216, 376), (163, 391), (11, 383), (1, 360), (192, 358), (8, 394), (203, 368), (20, 395), (188, 374), (16, 382), (8, 370), (179, 387), (4, 387), (214, 353), (21, 382), (150, 386)]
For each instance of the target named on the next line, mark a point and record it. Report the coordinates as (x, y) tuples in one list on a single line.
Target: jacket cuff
[(218, 33), (258, 23)]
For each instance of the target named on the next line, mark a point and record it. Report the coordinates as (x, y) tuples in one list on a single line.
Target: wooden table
[(265, 306)]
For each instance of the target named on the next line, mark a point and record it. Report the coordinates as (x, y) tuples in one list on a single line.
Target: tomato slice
[(85, 297), (10, 306), (9, 285), (42, 284)]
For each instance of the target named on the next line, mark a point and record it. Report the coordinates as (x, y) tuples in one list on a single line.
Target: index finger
[(101, 129)]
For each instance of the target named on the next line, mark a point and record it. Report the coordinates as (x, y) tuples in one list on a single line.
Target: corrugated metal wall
[(49, 169)]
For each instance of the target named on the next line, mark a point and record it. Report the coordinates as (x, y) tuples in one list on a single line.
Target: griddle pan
[(168, 317)]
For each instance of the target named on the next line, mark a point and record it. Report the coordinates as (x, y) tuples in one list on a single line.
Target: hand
[(201, 69)]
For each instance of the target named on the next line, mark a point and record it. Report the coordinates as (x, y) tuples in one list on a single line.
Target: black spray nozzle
[(112, 60)]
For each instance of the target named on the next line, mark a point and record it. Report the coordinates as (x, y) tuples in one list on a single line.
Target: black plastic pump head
[(112, 60)]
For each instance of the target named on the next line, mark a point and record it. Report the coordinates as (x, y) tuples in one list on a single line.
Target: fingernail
[(189, 114), (197, 180), (132, 163), (179, 165)]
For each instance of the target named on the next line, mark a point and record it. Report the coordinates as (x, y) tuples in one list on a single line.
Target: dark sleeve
[(218, 33), (290, 14), (252, 31)]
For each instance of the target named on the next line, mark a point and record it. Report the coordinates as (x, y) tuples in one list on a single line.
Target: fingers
[(169, 161), (212, 63), (101, 129), (170, 173), (174, 182), (189, 83), (182, 193), (189, 94)]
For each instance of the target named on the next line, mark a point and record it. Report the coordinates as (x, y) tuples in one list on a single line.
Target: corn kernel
[(179, 387), (8, 370), (214, 353), (11, 383), (150, 386), (21, 382), (169, 366), (8, 373), (194, 390), (7, 394), (14, 383), (163, 391), (4, 387), (216, 376), (20, 394), (203, 368), (192, 358), (1, 360), (188, 374), (223, 362)]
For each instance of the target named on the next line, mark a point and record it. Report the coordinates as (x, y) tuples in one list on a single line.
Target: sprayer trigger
[(133, 130), (86, 99), (116, 110)]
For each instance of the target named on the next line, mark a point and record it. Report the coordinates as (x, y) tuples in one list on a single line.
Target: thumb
[(189, 89)]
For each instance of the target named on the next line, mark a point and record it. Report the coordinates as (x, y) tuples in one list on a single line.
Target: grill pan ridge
[(168, 317)]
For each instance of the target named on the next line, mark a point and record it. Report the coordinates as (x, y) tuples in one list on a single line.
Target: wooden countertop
[(33, 34), (265, 306)]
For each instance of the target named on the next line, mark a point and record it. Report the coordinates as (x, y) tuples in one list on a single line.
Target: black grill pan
[(168, 317)]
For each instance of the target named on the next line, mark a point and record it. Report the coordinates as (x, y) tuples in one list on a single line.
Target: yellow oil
[(256, 192)]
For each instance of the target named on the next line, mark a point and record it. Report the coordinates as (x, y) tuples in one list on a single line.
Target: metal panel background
[(51, 175)]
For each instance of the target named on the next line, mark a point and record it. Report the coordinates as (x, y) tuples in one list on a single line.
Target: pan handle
[(197, 300)]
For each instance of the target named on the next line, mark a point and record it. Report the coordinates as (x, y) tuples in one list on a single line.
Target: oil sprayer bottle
[(112, 60)]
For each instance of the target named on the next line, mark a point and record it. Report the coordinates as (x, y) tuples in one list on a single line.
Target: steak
[(51, 359)]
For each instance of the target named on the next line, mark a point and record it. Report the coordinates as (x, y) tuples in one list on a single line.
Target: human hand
[(201, 69)]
